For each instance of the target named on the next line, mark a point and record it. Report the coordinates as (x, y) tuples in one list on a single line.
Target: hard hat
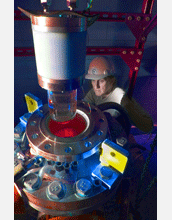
[(99, 68)]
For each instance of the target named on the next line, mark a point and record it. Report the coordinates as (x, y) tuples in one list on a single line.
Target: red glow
[(67, 129)]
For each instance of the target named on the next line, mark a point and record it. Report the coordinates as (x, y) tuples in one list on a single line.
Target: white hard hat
[(99, 68)]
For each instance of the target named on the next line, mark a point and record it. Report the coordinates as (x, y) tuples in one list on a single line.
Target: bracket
[(132, 57), (137, 23)]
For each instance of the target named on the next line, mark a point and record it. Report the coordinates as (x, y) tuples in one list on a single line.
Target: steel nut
[(31, 181), (83, 187), (56, 190)]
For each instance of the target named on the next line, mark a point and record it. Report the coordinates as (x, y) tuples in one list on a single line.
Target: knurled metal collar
[(60, 21)]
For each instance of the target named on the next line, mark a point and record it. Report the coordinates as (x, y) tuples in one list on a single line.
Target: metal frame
[(140, 25)]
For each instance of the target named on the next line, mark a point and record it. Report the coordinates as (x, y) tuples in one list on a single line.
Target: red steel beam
[(103, 16), (147, 7), (123, 51)]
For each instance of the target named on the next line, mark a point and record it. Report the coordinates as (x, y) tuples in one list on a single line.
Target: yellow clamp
[(32, 102), (113, 155)]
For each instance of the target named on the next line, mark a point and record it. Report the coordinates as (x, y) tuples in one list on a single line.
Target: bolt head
[(106, 172), (83, 187), (31, 181), (56, 190)]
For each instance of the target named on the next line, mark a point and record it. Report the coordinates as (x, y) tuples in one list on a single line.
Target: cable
[(112, 105), (145, 167), (154, 180)]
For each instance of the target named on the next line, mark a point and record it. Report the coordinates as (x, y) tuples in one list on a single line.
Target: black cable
[(153, 181), (112, 105), (145, 167)]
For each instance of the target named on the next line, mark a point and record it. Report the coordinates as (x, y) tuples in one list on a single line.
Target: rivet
[(136, 68), (140, 52), (138, 18), (138, 60), (132, 52), (124, 52), (143, 38), (129, 18), (147, 18)]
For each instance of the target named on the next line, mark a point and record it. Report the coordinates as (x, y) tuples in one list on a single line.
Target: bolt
[(129, 18), (87, 144), (121, 141), (124, 52), (34, 136), (31, 181), (68, 149), (33, 123), (56, 190), (47, 146), (99, 133), (66, 167), (139, 18), (59, 167), (74, 165), (138, 60), (106, 172), (147, 18), (39, 162), (132, 52), (83, 187)]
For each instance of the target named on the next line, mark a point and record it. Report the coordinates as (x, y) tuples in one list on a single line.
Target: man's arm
[(140, 118)]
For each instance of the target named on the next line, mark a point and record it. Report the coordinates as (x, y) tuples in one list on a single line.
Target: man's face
[(99, 86)]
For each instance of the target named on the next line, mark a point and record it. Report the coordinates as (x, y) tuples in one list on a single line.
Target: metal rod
[(147, 6)]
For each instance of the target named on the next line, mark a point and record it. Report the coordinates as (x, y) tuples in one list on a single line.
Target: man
[(101, 73)]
